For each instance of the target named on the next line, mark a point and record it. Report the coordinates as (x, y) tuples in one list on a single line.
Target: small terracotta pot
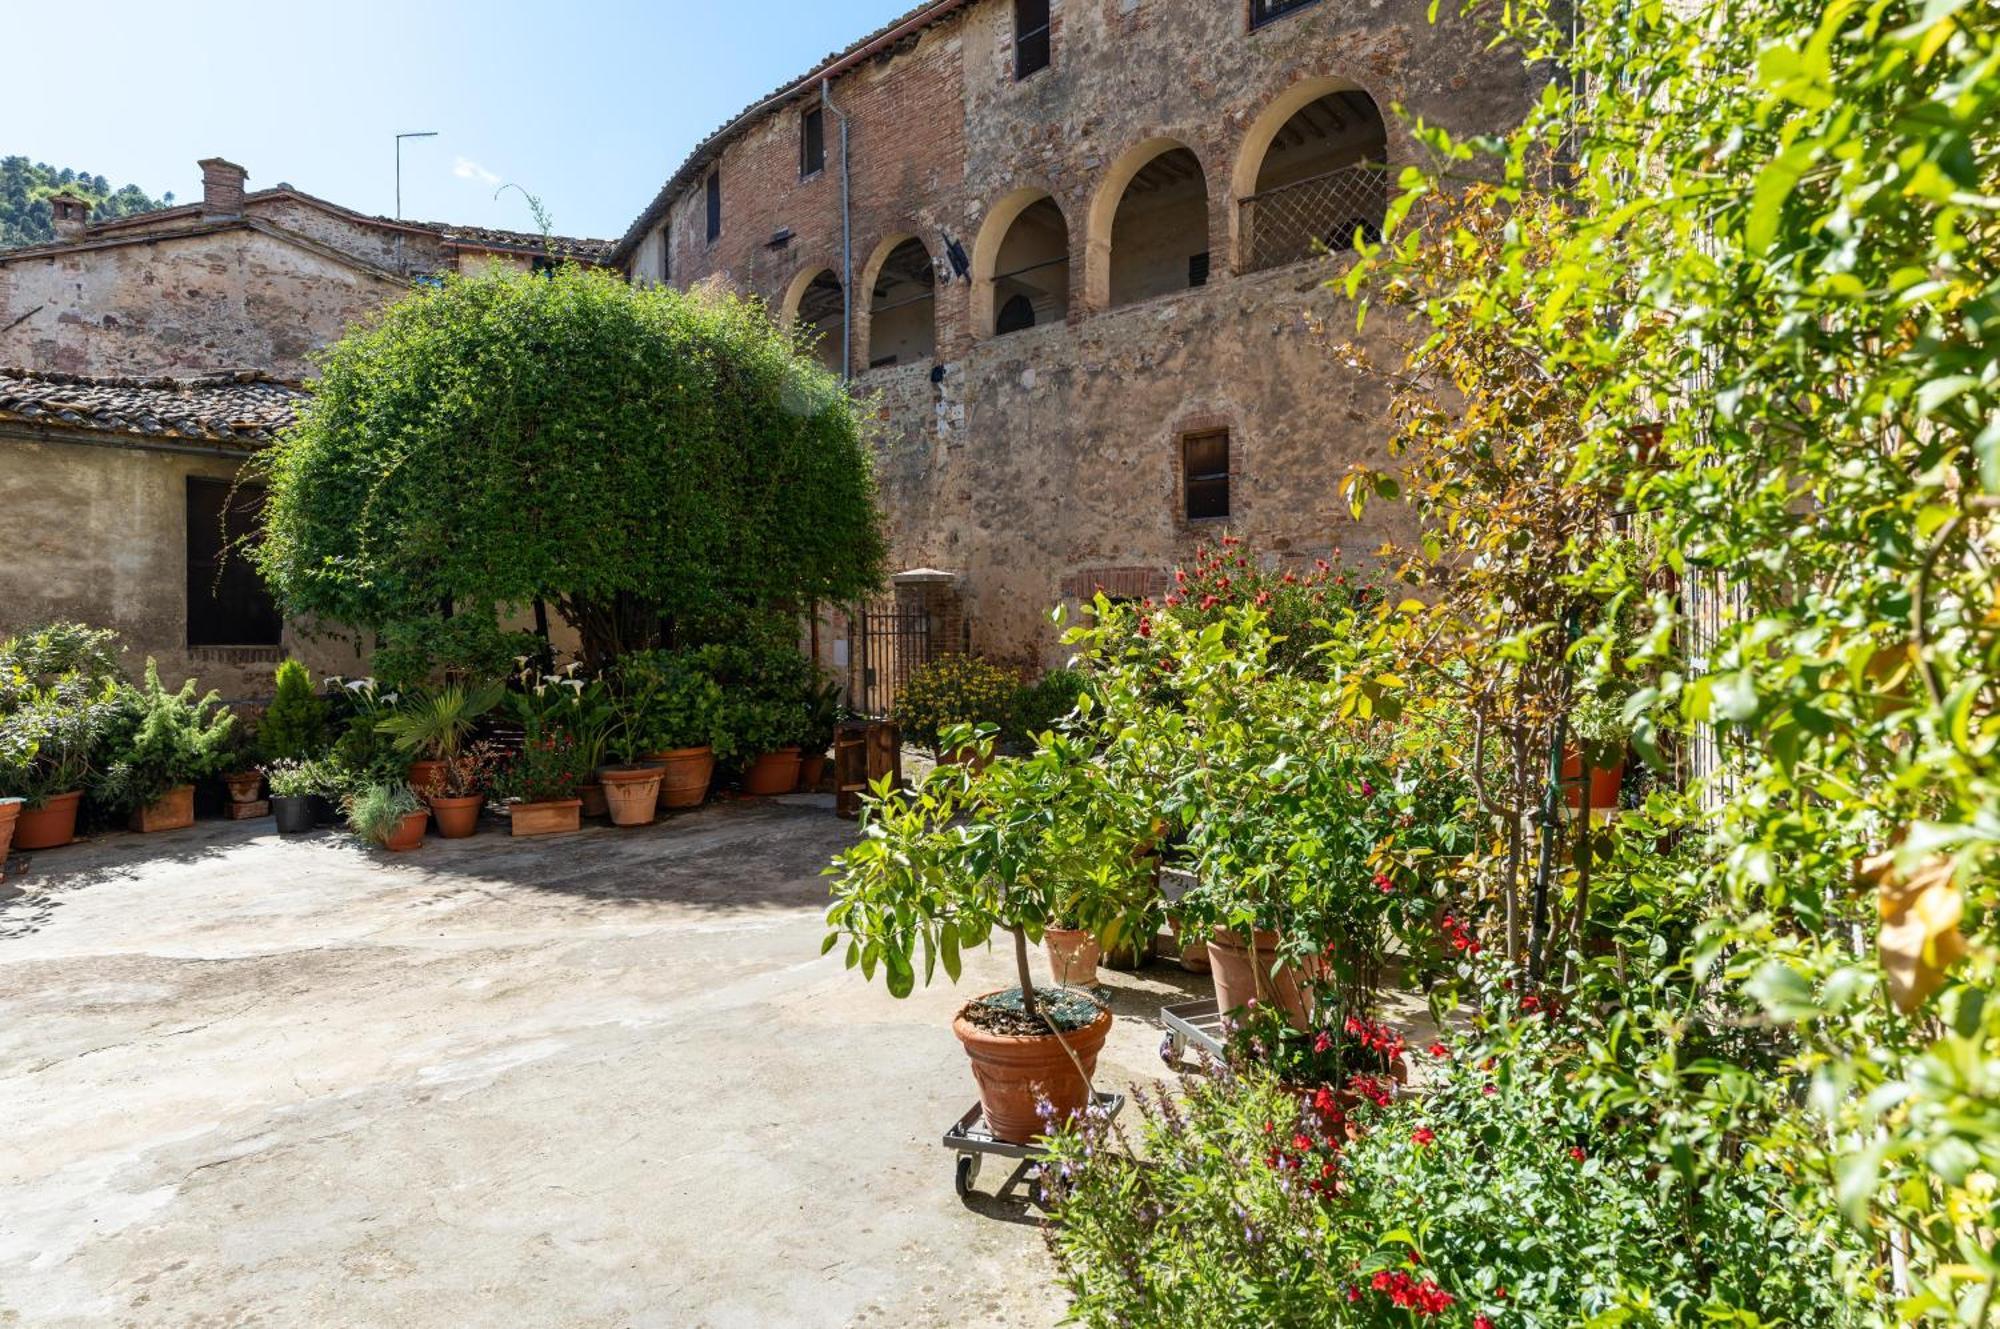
[(1238, 979), (1014, 1071), (1073, 956), (457, 817), (684, 775), (426, 776), (245, 787), (592, 796), (10, 808), (632, 793), (551, 818), (812, 771), (773, 773), (1604, 783), (409, 832), (172, 811)]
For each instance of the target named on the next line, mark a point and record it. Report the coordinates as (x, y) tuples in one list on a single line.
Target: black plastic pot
[(325, 812), (295, 815)]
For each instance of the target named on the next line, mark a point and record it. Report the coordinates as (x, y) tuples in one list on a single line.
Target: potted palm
[(158, 744), (969, 853), (391, 815), (433, 727), (459, 793)]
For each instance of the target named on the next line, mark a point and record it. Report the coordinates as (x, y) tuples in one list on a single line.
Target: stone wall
[(219, 299), (1039, 463), (98, 534)]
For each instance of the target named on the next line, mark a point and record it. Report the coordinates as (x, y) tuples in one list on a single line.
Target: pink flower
[(1489, 1090), (1323, 1043), (1481, 1322)]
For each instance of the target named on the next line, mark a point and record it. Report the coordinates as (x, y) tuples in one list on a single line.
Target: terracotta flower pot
[(245, 786), (1238, 980), (1073, 956), (684, 775), (409, 832), (1604, 782), (172, 811), (592, 795), (1015, 1071), (552, 818), (426, 775), (812, 771), (49, 826), (457, 817), (632, 793), (773, 773), (10, 809)]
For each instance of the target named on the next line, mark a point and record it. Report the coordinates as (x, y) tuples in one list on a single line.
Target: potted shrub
[(824, 713), (433, 727), (768, 684), (1599, 734), (391, 815), (687, 719), (241, 775), (10, 809), (582, 708), (294, 727), (158, 744), (955, 690), (361, 754), (969, 852), (631, 782), (459, 793), (56, 688), (540, 784), (293, 786)]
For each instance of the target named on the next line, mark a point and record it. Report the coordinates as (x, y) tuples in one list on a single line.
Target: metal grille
[(889, 645), (1296, 221)]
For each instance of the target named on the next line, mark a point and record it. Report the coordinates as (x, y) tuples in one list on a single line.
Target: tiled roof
[(564, 246), (916, 20), (242, 407)]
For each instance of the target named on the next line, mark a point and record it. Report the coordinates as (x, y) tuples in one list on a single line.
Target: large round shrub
[(647, 463)]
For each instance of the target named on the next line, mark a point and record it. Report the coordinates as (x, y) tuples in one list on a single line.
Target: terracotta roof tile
[(239, 407)]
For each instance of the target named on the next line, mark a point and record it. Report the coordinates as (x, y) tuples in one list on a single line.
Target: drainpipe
[(846, 240)]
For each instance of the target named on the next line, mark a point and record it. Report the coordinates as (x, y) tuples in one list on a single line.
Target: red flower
[(1481, 1322), (1145, 627), (1383, 884), (1209, 602), (1423, 1135), (1489, 1090), (1576, 1153), (1323, 1043), (1438, 1050)]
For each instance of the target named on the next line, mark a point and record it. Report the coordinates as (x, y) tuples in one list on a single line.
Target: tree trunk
[(1028, 1005)]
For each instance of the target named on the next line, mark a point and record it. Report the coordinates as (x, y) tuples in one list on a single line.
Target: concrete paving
[(596, 1080)]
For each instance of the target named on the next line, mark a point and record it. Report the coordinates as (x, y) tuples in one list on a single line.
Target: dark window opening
[(1263, 11), (543, 266), (1205, 474), (1031, 37), (1198, 271), (227, 602), (714, 206), (812, 142), (1017, 315)]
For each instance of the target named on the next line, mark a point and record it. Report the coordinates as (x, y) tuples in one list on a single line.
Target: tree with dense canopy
[(655, 466), (25, 186)]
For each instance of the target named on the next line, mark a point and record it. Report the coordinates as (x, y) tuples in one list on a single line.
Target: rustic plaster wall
[(98, 534), (224, 299)]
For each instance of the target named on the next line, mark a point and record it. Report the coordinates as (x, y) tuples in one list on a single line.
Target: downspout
[(846, 240)]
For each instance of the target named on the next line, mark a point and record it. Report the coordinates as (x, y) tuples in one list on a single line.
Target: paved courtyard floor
[(599, 1080)]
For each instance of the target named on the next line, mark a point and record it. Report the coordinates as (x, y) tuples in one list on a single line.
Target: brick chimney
[(71, 215), (221, 187)]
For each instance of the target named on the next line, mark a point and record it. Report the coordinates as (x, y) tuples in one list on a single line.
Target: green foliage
[(1303, 608), (57, 686), (548, 768), (154, 740), (362, 755), (294, 725), (25, 186), (677, 701), (376, 811), (653, 465), (1043, 704), (45, 655), (769, 689), (292, 778), (435, 723), (954, 690)]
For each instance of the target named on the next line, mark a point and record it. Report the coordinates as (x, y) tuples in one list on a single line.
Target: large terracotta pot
[(592, 796), (409, 832), (812, 771), (1604, 783), (684, 775), (49, 826), (457, 817), (1073, 955), (10, 808), (552, 818), (632, 793), (172, 811), (426, 775), (1015, 1071), (244, 786), (773, 773), (1238, 979)]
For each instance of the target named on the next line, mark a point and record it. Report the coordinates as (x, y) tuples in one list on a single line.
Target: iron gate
[(889, 645)]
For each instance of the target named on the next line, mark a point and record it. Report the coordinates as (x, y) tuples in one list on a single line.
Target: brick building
[(254, 280), (1067, 250)]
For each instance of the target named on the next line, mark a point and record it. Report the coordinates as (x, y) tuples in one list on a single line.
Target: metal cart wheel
[(968, 1172)]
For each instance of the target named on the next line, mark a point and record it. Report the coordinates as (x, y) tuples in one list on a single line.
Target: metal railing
[(1294, 222)]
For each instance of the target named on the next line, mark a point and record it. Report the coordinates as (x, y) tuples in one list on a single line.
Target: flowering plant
[(955, 690), (1305, 608), (547, 769)]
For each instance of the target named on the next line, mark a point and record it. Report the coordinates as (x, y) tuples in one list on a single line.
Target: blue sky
[(590, 113)]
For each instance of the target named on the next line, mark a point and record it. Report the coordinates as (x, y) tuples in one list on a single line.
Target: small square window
[(1198, 271), (1263, 11), (1205, 474), (714, 206), (1031, 37), (812, 142)]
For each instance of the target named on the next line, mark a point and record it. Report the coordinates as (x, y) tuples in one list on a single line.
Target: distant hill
[(25, 187)]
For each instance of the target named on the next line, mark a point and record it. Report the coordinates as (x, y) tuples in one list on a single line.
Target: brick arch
[(999, 220), (1103, 216), (1255, 143), (795, 291), (901, 233)]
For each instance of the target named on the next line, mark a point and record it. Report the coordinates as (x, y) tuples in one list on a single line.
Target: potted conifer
[(158, 745)]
